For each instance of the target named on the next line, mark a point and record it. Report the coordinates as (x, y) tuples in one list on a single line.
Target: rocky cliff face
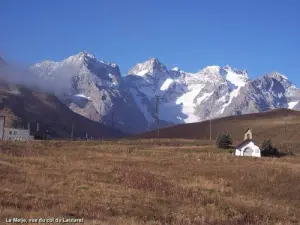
[(93, 89)]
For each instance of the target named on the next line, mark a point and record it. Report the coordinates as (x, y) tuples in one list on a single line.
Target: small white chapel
[(247, 147)]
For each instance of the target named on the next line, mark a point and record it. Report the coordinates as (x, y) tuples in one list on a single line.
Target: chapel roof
[(243, 143)]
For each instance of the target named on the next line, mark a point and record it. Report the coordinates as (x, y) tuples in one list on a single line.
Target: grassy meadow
[(146, 182)]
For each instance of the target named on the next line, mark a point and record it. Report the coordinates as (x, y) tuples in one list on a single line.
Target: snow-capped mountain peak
[(148, 67), (211, 69), (84, 54), (237, 77), (235, 70), (45, 63), (80, 58), (210, 74), (276, 76), (176, 68), (280, 79)]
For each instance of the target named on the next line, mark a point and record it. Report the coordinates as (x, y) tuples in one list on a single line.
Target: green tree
[(224, 140), (267, 149), (218, 139)]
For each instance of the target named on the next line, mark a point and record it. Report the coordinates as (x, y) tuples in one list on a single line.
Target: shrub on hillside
[(224, 141), (268, 150)]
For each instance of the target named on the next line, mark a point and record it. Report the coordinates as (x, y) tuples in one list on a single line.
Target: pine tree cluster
[(268, 149), (224, 140)]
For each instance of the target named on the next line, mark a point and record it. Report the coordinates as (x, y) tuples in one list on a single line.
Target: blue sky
[(257, 35)]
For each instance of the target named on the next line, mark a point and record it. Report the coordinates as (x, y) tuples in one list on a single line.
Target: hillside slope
[(266, 125), (22, 106)]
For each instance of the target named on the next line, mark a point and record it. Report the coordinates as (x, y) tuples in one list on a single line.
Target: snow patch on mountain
[(236, 79), (203, 97), (166, 84), (292, 104), (233, 94), (188, 105), (142, 72), (82, 96)]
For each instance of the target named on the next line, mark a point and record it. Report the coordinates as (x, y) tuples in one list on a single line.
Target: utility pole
[(157, 98), (285, 126), (210, 129), (113, 119), (285, 123), (72, 132), (210, 118)]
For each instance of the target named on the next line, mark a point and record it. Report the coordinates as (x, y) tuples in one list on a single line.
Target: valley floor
[(143, 182)]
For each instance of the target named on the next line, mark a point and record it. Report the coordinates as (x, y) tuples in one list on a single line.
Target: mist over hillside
[(19, 75)]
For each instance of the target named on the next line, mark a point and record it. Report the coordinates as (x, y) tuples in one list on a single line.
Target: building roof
[(243, 143), (14, 129)]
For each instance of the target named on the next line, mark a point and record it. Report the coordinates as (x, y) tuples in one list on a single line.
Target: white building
[(17, 134), (247, 147), (2, 124), (12, 133)]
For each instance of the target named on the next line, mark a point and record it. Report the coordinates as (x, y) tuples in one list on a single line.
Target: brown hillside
[(266, 125), (22, 106)]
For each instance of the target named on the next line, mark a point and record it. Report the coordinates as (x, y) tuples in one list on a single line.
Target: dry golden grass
[(144, 182)]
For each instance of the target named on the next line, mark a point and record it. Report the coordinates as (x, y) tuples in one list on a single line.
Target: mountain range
[(96, 90)]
